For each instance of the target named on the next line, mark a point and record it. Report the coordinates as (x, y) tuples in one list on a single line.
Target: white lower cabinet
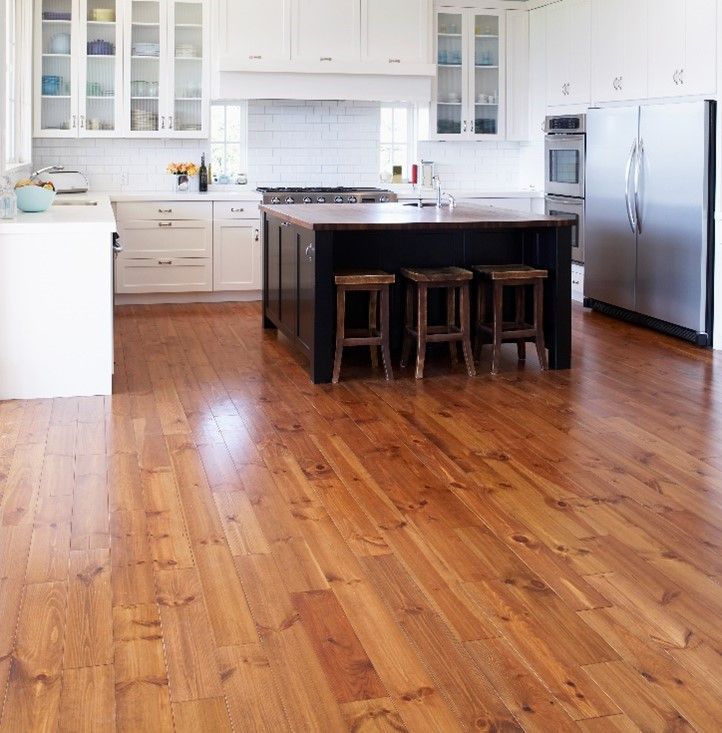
[(236, 254), (188, 247)]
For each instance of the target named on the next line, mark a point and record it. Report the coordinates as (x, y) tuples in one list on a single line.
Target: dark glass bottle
[(203, 176)]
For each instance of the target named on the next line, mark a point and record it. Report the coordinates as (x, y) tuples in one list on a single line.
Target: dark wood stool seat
[(454, 280), (374, 282), (495, 278)]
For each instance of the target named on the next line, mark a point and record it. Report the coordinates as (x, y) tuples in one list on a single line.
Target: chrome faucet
[(53, 168), (440, 195)]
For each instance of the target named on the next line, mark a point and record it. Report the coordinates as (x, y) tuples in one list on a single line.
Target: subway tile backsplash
[(291, 143)]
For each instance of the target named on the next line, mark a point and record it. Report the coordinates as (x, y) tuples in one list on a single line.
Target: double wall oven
[(565, 160)]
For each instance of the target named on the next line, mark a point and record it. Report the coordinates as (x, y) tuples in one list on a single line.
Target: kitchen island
[(56, 300), (304, 245)]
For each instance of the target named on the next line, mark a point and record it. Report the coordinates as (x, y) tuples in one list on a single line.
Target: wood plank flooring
[(222, 546)]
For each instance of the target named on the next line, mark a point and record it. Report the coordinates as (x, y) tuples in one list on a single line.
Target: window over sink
[(398, 136)]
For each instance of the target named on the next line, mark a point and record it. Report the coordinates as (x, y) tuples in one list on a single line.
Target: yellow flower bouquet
[(182, 173)]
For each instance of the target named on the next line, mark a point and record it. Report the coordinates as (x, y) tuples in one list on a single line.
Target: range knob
[(289, 200), (338, 200), (352, 200), (307, 200), (321, 199), (275, 200), (384, 200)]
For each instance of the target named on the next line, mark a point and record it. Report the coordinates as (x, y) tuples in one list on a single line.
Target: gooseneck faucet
[(440, 195), (53, 168)]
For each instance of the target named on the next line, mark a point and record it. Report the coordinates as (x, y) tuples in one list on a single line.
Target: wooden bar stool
[(495, 278), (374, 282), (454, 280)]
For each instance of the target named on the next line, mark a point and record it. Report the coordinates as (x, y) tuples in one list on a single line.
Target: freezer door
[(673, 213), (611, 242)]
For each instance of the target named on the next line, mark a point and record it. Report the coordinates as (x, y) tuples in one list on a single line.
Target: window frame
[(18, 118), (242, 143), (412, 137)]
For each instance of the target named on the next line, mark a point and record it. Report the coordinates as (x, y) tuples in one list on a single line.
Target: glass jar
[(8, 200)]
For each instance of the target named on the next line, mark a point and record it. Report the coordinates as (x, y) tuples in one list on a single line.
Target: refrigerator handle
[(631, 210), (637, 180)]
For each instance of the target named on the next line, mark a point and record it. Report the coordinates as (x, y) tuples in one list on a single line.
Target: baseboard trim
[(165, 298)]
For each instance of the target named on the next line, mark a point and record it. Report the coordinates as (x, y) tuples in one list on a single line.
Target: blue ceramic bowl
[(33, 199)]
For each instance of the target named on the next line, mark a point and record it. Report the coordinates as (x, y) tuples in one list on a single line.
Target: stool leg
[(422, 321), (520, 319), (409, 324), (451, 322), (385, 339), (539, 323), (373, 320), (498, 326), (340, 331), (480, 318), (465, 322)]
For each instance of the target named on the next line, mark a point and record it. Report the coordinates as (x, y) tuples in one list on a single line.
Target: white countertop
[(100, 219), (407, 191), (235, 193)]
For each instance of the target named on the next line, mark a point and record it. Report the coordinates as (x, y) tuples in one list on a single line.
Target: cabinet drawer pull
[(167, 224), (236, 211), (285, 224), (256, 235), (165, 262), (309, 252), (394, 61), (255, 57), (326, 58), (165, 211)]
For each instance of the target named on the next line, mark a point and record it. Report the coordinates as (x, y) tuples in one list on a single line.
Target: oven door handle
[(631, 211)]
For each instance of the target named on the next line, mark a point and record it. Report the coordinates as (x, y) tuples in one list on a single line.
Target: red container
[(414, 174)]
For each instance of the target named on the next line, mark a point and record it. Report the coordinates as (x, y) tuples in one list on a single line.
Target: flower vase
[(181, 183)]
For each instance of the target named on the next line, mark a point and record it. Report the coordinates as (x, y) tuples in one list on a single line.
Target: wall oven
[(565, 159), (573, 209), (565, 155)]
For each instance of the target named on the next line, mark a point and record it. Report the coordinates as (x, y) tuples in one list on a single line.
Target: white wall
[(294, 143)]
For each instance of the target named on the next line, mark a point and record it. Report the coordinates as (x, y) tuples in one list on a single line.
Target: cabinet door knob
[(74, 121), (675, 76), (162, 123), (256, 235), (466, 125), (82, 122), (681, 76), (170, 122)]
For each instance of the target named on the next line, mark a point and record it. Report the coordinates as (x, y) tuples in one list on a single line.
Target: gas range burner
[(325, 195)]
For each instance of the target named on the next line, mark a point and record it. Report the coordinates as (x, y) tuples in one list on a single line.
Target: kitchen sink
[(420, 204), (80, 202)]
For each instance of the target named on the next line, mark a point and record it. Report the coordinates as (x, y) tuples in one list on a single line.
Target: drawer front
[(164, 275), (165, 210), (236, 210), (164, 238)]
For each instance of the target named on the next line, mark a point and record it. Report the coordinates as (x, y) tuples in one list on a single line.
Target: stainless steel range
[(320, 195)]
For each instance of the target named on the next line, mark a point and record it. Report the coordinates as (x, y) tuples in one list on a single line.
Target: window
[(398, 140), (14, 84), (229, 133)]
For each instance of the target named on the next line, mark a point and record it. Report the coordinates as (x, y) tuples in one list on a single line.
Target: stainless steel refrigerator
[(650, 215)]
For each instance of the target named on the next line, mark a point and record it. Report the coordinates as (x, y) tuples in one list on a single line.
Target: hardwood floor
[(223, 546)]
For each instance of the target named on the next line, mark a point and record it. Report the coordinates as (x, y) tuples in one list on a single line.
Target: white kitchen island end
[(56, 301)]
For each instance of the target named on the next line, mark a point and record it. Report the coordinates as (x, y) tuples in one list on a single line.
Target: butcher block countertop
[(361, 217)]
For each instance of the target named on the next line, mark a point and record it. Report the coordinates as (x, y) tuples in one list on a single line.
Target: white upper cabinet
[(619, 50), (682, 38), (568, 37), (396, 33), (326, 32), (253, 32), (79, 75)]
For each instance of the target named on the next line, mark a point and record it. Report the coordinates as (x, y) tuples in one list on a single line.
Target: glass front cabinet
[(131, 68), (469, 92)]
